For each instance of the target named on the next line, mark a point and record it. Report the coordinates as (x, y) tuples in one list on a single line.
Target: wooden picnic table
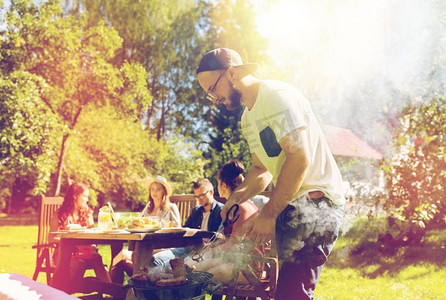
[(145, 243)]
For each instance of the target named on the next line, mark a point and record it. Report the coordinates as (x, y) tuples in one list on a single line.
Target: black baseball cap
[(223, 58)]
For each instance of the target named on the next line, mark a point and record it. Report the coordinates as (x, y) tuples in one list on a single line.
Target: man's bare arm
[(296, 148)]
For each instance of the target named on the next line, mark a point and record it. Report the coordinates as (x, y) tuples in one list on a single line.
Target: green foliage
[(105, 68), (166, 37), (116, 157), (73, 59), (227, 145), (133, 95), (416, 172), (84, 82), (27, 131)]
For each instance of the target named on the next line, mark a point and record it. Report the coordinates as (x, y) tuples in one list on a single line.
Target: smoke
[(359, 61), (221, 261)]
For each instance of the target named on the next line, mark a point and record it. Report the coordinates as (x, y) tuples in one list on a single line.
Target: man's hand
[(261, 229)]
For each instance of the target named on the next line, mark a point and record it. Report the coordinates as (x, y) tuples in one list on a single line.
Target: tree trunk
[(60, 165), (62, 153), (160, 132), (9, 208)]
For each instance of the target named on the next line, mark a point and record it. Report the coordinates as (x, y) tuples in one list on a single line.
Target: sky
[(358, 60)]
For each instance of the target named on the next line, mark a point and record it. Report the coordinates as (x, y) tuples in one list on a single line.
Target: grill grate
[(194, 288), (198, 277)]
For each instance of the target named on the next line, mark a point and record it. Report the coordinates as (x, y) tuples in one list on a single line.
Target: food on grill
[(165, 278), (190, 269), (158, 274), (141, 276), (178, 267), (171, 282)]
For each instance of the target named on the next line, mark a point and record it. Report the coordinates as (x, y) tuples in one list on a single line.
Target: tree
[(166, 37), (93, 56), (71, 112), (416, 172), (27, 136), (76, 62), (116, 157), (169, 38)]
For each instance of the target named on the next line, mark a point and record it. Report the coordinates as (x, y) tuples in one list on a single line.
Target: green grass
[(17, 256), (361, 268), (415, 272), (413, 282)]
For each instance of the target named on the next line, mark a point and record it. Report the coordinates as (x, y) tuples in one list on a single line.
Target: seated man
[(205, 216)]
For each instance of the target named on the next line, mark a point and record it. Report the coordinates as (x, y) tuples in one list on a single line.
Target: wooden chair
[(48, 205), (185, 204)]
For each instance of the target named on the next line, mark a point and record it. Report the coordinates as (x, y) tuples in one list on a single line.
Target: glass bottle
[(105, 221)]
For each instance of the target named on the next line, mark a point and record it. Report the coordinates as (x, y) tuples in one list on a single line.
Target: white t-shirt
[(260, 201), (205, 221), (279, 109)]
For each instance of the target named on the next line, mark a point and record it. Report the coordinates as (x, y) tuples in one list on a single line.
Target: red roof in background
[(343, 142)]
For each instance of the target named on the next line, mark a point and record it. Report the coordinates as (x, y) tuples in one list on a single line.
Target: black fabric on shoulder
[(269, 142)]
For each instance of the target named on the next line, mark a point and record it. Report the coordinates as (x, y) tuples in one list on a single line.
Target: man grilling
[(288, 148)]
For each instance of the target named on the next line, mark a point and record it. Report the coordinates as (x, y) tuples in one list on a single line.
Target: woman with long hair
[(158, 205), (159, 201), (75, 211)]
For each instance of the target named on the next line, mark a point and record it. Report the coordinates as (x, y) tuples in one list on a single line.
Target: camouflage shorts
[(307, 229)]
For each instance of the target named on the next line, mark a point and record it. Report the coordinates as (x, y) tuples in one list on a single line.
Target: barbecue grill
[(197, 285)]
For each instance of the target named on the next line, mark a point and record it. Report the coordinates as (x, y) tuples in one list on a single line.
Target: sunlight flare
[(327, 41)]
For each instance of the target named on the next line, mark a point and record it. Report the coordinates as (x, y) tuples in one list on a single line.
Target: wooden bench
[(185, 204)]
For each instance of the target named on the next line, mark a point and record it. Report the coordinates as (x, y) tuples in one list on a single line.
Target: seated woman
[(75, 210), (159, 202), (158, 205), (229, 177)]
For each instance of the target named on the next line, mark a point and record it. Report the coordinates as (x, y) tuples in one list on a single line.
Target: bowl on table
[(123, 219)]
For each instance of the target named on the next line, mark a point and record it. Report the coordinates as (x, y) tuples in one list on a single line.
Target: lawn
[(412, 273)]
